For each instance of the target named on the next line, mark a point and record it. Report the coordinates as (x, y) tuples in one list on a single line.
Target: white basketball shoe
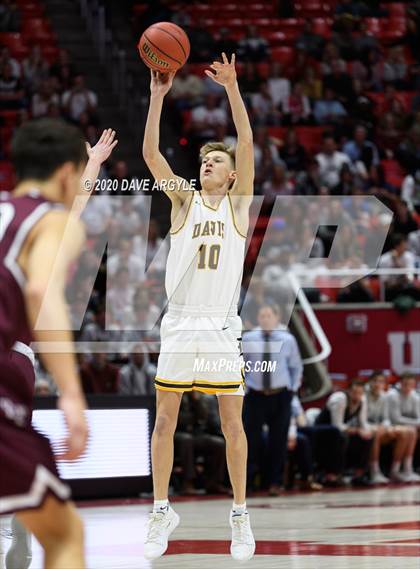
[(243, 543), (160, 527)]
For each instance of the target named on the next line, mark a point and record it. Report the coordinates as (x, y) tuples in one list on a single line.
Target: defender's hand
[(103, 148), (73, 407), (224, 73), (160, 83)]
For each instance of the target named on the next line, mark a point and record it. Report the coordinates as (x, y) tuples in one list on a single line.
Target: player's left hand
[(103, 148), (224, 73)]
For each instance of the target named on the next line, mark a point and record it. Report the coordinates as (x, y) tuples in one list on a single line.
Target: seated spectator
[(360, 149), (292, 153), (44, 98), (364, 42), (250, 79), (408, 152), (145, 312), (402, 437), (403, 221), (398, 258), (300, 448), (225, 43), (206, 117), (99, 376), (297, 108), (254, 298), (279, 184), (389, 134), (339, 82), (63, 70), (309, 41), (9, 17), (199, 434), (79, 99), (346, 185), (6, 58), (357, 292), (157, 248), (202, 40), (253, 47), (410, 190), (262, 140), (308, 182), (34, 69), (330, 162), (120, 295), (395, 68), (187, 89), (278, 85), (413, 245), (137, 376), (404, 409), (124, 256), (329, 109), (348, 412), (331, 54), (311, 84), (263, 107), (11, 91)]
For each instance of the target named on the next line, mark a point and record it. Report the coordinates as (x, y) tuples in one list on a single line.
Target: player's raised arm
[(225, 74), (97, 154), (50, 255), (160, 84)]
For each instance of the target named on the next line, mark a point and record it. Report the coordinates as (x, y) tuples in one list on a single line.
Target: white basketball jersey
[(206, 257)]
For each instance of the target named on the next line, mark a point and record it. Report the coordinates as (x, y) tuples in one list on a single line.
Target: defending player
[(49, 158), (203, 278)]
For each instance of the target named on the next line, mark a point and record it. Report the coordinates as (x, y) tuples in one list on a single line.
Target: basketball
[(164, 47)]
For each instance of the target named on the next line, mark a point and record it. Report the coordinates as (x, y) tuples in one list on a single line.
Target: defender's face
[(216, 170)]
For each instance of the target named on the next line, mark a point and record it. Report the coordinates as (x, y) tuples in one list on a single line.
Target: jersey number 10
[(212, 257)]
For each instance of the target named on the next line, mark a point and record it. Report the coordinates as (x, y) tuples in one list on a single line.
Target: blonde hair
[(219, 146)]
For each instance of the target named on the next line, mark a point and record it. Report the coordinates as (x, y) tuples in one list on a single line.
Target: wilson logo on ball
[(153, 57)]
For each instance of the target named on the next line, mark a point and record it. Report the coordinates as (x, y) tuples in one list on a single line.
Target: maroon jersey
[(18, 215)]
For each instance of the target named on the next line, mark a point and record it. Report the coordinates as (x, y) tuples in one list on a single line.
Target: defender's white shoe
[(160, 527), (243, 542)]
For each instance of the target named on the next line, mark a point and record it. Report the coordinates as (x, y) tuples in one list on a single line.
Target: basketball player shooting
[(49, 158), (203, 277)]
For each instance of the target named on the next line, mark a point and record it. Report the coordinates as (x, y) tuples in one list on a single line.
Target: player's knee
[(232, 429), (68, 532), (165, 425)]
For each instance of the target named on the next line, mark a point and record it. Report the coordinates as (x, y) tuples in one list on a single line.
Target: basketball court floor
[(374, 528)]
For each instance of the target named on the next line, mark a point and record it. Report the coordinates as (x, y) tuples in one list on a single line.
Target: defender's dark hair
[(41, 146)]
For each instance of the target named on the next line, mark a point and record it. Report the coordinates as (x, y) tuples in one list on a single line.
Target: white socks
[(160, 506), (239, 509), (395, 468)]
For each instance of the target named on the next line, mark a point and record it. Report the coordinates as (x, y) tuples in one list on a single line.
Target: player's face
[(216, 170)]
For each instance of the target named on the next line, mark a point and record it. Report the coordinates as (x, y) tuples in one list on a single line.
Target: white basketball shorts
[(201, 351)]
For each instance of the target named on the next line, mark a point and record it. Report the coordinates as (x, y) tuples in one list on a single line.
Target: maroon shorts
[(28, 472)]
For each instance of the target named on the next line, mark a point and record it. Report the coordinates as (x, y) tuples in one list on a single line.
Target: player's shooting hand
[(103, 148), (224, 73), (160, 83), (73, 407)]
